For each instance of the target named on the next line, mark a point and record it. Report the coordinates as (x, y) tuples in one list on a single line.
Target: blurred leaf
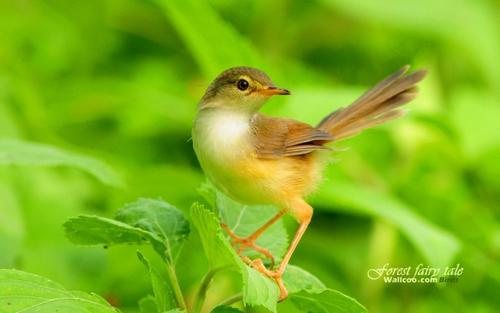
[(225, 309), (12, 229), (475, 116), (479, 36), (436, 245), (213, 43), (326, 302), (25, 292), (244, 220), (15, 152), (147, 305), (151, 220), (164, 297), (257, 289)]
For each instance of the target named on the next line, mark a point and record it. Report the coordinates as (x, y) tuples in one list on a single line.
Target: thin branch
[(175, 286)]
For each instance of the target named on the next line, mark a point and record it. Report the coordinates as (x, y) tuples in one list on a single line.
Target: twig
[(175, 286)]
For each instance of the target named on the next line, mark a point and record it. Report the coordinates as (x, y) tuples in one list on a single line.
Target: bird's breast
[(223, 144)]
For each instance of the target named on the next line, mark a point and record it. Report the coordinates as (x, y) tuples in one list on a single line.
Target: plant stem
[(175, 286), (234, 298), (202, 292)]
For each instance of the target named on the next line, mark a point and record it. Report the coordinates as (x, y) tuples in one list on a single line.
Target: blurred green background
[(120, 81)]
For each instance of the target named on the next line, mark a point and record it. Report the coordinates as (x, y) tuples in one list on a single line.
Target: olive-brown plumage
[(257, 159)]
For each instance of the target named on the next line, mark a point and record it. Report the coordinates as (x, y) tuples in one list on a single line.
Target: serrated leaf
[(257, 289), (96, 230), (243, 220), (145, 220), (16, 152), (157, 217), (148, 305), (226, 309), (21, 291), (163, 295), (327, 301), (436, 245)]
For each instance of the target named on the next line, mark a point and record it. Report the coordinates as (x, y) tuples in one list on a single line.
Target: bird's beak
[(272, 90)]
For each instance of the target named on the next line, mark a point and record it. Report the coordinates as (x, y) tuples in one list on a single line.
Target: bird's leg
[(303, 214), (249, 241)]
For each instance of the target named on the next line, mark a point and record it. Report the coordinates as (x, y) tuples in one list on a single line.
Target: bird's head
[(240, 88)]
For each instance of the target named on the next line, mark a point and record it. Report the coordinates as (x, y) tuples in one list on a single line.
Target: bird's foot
[(242, 243), (274, 274)]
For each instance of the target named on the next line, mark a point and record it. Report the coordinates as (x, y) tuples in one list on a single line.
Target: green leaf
[(164, 297), (199, 25), (297, 280), (96, 230), (327, 301), (21, 291), (243, 220), (258, 290), (436, 245), (225, 309), (148, 305), (16, 152), (157, 217), (155, 221)]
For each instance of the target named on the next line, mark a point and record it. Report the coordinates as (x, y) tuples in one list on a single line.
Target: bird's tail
[(376, 106)]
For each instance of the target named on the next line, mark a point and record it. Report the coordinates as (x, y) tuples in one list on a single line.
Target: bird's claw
[(242, 243), (258, 265)]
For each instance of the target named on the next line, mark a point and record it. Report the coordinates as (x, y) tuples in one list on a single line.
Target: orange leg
[(303, 214), (249, 242)]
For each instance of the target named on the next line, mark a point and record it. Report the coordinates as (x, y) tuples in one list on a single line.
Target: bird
[(258, 159)]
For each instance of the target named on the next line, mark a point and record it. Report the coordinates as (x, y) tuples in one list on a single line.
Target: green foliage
[(225, 309), (326, 302), (119, 81), (257, 289), (436, 245), (164, 298), (15, 152), (243, 220), (146, 220), (25, 292), (201, 27)]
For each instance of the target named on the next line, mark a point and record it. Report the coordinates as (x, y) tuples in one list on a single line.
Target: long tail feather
[(378, 105)]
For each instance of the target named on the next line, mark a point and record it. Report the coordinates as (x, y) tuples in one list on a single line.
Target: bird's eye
[(242, 84)]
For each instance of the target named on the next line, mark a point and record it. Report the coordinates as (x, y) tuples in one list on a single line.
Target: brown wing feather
[(280, 137)]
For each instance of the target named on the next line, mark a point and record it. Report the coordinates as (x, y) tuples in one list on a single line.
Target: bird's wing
[(279, 137)]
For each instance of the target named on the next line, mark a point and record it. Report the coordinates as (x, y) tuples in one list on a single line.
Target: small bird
[(258, 159)]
